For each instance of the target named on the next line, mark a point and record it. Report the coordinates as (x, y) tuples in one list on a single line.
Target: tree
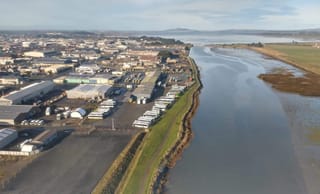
[(165, 54)]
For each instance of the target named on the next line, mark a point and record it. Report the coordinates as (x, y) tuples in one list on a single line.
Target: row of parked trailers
[(163, 103), (147, 119), (103, 110)]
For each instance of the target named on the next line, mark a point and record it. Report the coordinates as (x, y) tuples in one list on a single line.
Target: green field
[(314, 135), (303, 55), (161, 138)]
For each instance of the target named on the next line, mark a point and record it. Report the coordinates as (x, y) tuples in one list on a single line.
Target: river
[(243, 141)]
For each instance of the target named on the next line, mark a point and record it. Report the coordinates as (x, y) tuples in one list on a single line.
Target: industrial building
[(45, 62), (88, 69), (45, 137), (6, 60), (144, 91), (105, 79), (52, 65), (39, 54), (10, 80), (27, 93), (40, 141), (7, 136), (89, 91), (72, 79), (86, 79), (9, 115)]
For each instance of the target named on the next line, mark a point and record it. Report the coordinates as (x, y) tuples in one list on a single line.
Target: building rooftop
[(49, 61), (88, 90), (145, 89), (13, 111), (44, 136), (6, 132), (92, 87), (105, 76), (27, 90)]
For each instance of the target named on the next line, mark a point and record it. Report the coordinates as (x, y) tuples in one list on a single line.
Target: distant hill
[(305, 33)]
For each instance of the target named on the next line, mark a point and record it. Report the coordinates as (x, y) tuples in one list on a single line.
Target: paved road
[(73, 166)]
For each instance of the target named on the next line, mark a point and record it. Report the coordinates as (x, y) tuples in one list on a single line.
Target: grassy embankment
[(314, 135), (162, 137), (111, 179)]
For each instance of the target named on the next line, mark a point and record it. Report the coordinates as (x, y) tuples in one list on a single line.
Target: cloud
[(159, 14), (304, 17)]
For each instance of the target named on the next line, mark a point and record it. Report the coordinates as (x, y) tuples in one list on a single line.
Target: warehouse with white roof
[(89, 91)]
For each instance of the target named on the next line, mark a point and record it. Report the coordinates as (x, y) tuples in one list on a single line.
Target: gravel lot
[(73, 166)]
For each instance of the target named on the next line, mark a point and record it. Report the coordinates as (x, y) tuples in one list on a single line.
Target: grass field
[(301, 55), (161, 138), (314, 136)]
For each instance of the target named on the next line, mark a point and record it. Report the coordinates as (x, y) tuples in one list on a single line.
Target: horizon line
[(163, 30)]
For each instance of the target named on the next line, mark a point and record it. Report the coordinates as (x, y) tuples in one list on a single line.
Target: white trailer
[(146, 118), (141, 124), (48, 111), (155, 114)]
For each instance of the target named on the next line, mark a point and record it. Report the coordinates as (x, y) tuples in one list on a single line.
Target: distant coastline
[(271, 53)]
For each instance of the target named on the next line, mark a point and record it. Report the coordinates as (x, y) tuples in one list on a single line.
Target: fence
[(18, 153)]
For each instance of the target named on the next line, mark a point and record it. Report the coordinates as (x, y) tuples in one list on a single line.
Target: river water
[(242, 135)]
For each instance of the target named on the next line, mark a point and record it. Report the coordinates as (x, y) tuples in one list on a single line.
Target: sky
[(158, 14)]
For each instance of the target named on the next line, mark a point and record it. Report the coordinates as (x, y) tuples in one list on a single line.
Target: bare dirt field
[(73, 166)]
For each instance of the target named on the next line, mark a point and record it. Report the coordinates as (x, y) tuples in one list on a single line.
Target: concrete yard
[(123, 116), (73, 166)]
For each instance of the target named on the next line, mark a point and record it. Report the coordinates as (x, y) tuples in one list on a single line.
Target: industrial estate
[(56, 86)]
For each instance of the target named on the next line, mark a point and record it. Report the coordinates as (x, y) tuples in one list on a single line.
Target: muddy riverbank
[(306, 85)]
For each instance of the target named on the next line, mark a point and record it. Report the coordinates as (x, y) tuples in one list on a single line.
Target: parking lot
[(123, 116), (73, 166)]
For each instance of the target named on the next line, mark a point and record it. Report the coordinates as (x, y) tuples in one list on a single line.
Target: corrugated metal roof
[(49, 61), (30, 89), (4, 133), (13, 111), (88, 90), (145, 89)]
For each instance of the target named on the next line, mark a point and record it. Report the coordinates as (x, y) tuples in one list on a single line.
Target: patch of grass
[(303, 55), (161, 138), (314, 136)]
